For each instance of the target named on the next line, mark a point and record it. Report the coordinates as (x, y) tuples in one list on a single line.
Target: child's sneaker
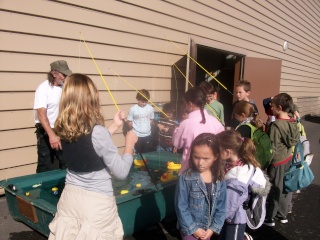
[(282, 219), (269, 222)]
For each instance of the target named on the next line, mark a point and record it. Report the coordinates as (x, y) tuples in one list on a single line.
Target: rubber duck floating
[(165, 177), (173, 166), (138, 162)]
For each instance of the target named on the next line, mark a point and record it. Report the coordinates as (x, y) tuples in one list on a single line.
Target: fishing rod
[(126, 127), (211, 109), (199, 65)]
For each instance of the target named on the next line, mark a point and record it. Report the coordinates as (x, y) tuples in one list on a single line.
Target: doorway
[(228, 68), (221, 64)]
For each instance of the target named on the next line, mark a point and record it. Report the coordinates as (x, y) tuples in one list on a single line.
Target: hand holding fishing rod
[(119, 118)]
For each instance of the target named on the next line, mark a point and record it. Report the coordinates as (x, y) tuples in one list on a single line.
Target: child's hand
[(165, 129), (208, 235), (200, 233)]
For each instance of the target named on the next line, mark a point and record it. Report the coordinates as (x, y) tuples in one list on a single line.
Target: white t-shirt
[(47, 96), (140, 117)]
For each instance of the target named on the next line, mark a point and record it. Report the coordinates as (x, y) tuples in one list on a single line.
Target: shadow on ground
[(310, 118), (30, 235), (303, 222)]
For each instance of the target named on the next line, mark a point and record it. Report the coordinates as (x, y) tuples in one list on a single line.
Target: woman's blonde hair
[(79, 108)]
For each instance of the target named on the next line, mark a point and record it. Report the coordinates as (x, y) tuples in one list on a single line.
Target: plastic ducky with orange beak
[(173, 166), (138, 162)]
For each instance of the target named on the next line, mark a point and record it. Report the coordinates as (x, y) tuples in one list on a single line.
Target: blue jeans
[(168, 149), (232, 231), (45, 153), (142, 145)]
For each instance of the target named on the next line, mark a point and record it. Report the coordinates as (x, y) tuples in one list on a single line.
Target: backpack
[(263, 146), (299, 174), (308, 156), (255, 206)]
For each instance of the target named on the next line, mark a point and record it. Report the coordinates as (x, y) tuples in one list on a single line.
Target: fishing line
[(198, 64), (79, 53), (211, 109), (116, 74), (98, 69)]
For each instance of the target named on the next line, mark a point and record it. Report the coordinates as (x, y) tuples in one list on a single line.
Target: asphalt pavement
[(304, 221)]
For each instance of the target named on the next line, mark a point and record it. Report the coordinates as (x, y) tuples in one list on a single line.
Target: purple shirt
[(189, 129)]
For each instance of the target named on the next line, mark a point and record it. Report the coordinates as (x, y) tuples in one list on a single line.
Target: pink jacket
[(189, 129)]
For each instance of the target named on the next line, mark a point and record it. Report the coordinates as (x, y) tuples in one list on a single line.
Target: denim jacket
[(192, 204)]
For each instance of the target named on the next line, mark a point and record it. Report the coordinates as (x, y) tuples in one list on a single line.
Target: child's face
[(275, 110), (142, 103), (209, 98), (215, 95), (242, 94), (169, 114), (203, 158)]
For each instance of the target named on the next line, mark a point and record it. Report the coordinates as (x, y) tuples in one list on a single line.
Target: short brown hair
[(208, 87), (284, 100), (143, 95), (245, 84)]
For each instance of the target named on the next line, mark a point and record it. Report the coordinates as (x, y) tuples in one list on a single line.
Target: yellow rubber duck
[(138, 162), (165, 177), (173, 166)]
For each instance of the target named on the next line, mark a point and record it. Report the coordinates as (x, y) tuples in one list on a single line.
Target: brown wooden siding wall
[(131, 38)]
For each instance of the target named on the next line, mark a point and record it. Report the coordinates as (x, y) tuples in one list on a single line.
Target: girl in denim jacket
[(200, 197), (241, 169)]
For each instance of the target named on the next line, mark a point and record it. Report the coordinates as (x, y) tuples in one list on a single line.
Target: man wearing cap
[(46, 106)]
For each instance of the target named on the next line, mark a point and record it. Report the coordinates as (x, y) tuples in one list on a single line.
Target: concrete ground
[(304, 222)]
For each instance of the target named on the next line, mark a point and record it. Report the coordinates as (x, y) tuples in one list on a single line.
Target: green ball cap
[(61, 66)]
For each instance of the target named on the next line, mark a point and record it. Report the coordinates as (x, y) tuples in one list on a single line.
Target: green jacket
[(283, 135)]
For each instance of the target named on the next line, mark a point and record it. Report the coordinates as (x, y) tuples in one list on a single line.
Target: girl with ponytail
[(243, 177), (198, 121), (245, 113)]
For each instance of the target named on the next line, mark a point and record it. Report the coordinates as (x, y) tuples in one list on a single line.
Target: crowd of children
[(209, 199), (199, 134)]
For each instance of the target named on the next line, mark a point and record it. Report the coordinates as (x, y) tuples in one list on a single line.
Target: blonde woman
[(87, 208)]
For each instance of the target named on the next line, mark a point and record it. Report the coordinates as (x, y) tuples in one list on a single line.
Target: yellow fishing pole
[(115, 73), (97, 67), (211, 109), (198, 64), (183, 75)]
